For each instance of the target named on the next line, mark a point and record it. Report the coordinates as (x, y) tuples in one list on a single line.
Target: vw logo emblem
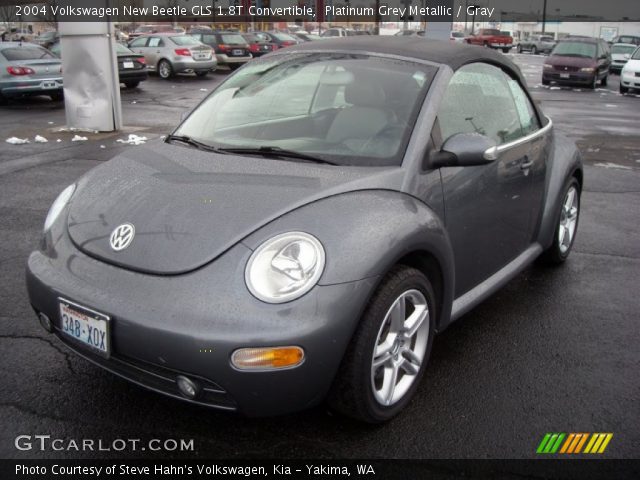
[(122, 236)]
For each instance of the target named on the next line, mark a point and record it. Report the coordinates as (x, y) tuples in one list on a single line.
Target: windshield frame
[(412, 130)]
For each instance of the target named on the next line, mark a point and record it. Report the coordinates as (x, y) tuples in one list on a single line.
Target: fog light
[(267, 358), (45, 322), (187, 387)]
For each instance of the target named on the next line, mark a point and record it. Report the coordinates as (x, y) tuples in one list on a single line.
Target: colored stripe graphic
[(573, 443)]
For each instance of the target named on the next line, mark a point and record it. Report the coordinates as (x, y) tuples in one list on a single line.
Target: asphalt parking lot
[(554, 351)]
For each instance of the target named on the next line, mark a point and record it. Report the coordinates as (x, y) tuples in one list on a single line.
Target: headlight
[(587, 69), (57, 206), (285, 267), (547, 66)]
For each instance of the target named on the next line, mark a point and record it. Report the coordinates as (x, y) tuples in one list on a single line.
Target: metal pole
[(544, 14)]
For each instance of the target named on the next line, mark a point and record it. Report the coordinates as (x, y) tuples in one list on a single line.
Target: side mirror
[(465, 150)]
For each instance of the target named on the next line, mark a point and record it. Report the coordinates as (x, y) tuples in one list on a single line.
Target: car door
[(487, 207)]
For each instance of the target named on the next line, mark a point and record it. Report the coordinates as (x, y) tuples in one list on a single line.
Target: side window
[(155, 42), (479, 99), (139, 42), (526, 112)]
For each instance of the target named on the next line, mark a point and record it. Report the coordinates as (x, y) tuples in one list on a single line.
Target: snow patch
[(133, 140), (78, 138), (17, 141), (40, 139), (612, 165)]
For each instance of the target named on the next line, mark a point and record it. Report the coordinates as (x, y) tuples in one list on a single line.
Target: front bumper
[(574, 78), (190, 324), (31, 87), (630, 79), (501, 45)]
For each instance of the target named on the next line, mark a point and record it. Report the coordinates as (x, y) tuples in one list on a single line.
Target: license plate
[(202, 56), (565, 75), (237, 52), (127, 64), (85, 325), (48, 84)]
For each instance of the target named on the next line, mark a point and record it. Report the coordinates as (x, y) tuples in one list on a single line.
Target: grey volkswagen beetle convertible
[(309, 227)]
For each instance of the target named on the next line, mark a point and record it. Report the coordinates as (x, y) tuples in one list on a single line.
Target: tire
[(131, 84), (358, 390), (594, 84), (623, 90), (560, 249), (202, 74), (57, 96), (505, 50), (534, 50), (603, 82), (485, 45), (165, 69), (545, 82), (519, 49)]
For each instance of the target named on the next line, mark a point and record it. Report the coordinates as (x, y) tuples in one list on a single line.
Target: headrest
[(364, 94)]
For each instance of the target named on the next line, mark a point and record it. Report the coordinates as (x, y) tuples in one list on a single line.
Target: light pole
[(544, 14)]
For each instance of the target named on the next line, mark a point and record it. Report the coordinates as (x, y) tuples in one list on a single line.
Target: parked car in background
[(258, 45), (410, 33), (620, 54), (231, 48), (280, 39), (47, 39), (338, 32), (324, 265), (132, 67), (170, 53), (29, 69), (19, 35), (307, 37), (147, 29), (578, 61), (491, 38), (457, 37), (633, 39), (630, 75), (536, 44)]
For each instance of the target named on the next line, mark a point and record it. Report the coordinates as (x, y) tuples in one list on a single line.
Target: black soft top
[(448, 53)]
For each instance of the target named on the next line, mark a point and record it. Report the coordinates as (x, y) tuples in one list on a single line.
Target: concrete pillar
[(90, 71)]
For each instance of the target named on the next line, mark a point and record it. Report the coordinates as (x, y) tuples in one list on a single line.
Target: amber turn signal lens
[(267, 358)]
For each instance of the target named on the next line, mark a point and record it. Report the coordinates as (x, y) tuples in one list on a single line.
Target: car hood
[(570, 61), (632, 66), (189, 206)]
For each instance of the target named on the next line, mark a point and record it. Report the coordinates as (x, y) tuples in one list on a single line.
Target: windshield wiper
[(194, 143), (267, 151)]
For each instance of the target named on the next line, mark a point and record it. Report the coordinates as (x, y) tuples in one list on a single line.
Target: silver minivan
[(173, 53)]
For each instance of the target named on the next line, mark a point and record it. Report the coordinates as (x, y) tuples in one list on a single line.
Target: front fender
[(565, 162), (365, 233)]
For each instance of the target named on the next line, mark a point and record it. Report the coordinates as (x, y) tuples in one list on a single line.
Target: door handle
[(526, 163)]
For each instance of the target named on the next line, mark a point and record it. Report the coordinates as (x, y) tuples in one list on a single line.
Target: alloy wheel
[(568, 220), (400, 347)]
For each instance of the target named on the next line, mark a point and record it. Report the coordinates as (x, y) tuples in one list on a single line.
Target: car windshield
[(623, 49), (575, 49), (144, 29), (636, 54), (185, 40), (232, 39), (457, 34), (491, 32), (251, 38), (341, 108), (546, 39), (26, 53)]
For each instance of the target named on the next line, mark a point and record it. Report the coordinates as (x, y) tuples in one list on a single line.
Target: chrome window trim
[(493, 153)]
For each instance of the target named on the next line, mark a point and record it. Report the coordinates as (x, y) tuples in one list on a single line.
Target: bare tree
[(7, 16)]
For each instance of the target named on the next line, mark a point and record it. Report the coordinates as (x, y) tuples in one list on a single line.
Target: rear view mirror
[(465, 150)]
